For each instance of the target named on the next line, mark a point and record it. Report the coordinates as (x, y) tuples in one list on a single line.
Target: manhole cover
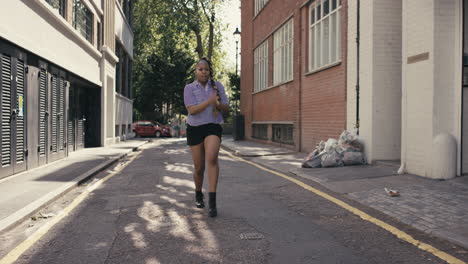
[(251, 236)]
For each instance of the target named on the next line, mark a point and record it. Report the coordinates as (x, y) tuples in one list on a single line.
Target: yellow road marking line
[(395, 231), (14, 254)]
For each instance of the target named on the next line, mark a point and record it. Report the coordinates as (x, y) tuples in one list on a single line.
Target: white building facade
[(65, 78), (404, 82)]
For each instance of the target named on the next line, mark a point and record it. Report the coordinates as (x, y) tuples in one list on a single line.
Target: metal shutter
[(71, 121), (20, 100), (42, 112), (80, 138), (54, 115), (61, 105), (6, 110)]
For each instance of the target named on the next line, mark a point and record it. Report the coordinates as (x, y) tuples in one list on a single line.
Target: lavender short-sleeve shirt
[(194, 94)]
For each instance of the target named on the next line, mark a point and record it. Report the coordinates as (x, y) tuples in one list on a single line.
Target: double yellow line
[(400, 234)]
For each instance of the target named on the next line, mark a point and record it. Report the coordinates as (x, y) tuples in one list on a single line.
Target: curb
[(19, 216)]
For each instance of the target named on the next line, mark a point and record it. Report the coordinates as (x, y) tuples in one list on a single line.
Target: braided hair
[(213, 83)]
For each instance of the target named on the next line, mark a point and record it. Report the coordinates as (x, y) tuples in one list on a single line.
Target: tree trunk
[(211, 36)]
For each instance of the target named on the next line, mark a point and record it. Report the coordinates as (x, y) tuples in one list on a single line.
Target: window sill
[(273, 86), (118, 95), (323, 68)]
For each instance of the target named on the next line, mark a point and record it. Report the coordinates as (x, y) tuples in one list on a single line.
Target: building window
[(123, 72), (282, 134), (324, 33), (261, 67), (59, 5), (260, 131), (259, 4), (83, 20), (99, 36), (283, 53)]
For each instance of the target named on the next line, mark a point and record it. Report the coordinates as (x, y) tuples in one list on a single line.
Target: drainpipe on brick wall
[(300, 82), (357, 66)]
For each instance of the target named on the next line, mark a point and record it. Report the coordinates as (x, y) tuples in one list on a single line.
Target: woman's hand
[(214, 99)]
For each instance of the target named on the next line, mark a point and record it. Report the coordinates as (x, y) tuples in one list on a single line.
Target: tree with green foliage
[(170, 35), (234, 82)]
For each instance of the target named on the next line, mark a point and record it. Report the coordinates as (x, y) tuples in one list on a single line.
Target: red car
[(150, 128)]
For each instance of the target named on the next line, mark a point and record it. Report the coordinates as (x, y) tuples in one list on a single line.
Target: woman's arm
[(223, 107), (195, 109)]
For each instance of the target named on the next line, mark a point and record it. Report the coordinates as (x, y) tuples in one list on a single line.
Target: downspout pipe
[(358, 22), (300, 82)]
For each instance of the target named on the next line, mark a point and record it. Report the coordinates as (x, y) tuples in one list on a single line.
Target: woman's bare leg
[(212, 144), (198, 157)]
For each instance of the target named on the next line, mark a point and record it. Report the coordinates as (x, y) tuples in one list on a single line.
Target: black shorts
[(197, 134)]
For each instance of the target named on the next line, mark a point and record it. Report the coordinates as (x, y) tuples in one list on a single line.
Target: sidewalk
[(25, 193), (439, 208)]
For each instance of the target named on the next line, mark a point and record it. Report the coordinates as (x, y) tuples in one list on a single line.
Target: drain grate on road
[(251, 236)]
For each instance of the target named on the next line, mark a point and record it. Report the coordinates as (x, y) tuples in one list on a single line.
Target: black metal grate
[(79, 131), (53, 115), (283, 133), (260, 131), (42, 112), (61, 109), (6, 109), (20, 101)]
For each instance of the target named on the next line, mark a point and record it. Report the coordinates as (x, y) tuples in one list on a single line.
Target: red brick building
[(293, 71)]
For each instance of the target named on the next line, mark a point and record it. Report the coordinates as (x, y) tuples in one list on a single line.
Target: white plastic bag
[(347, 138), (332, 159), (331, 145), (353, 158), (314, 161)]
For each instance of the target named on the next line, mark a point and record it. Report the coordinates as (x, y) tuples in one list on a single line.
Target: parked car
[(150, 128)]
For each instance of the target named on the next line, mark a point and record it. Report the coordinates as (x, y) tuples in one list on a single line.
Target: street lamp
[(237, 34), (238, 125)]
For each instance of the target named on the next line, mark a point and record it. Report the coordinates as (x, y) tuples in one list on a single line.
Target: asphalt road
[(146, 214)]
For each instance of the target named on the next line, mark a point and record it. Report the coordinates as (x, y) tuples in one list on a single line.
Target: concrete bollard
[(444, 157)]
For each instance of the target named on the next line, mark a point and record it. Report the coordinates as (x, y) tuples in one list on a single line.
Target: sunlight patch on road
[(175, 151), (151, 212), (179, 167), (174, 202), (152, 261), (208, 246), (178, 182), (137, 237), (181, 228)]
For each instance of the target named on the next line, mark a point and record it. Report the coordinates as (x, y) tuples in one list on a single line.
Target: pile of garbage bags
[(346, 151)]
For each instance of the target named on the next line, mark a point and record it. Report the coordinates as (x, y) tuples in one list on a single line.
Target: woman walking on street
[(204, 99)]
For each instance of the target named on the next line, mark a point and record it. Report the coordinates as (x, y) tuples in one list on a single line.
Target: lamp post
[(237, 35), (238, 125), (237, 38)]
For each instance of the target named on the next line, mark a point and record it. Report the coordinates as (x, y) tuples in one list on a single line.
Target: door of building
[(37, 116), (58, 115), (13, 110)]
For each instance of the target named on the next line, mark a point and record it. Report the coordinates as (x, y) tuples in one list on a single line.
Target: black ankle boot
[(213, 212), (199, 199)]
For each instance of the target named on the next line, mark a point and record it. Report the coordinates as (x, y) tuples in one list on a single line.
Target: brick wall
[(314, 103)]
